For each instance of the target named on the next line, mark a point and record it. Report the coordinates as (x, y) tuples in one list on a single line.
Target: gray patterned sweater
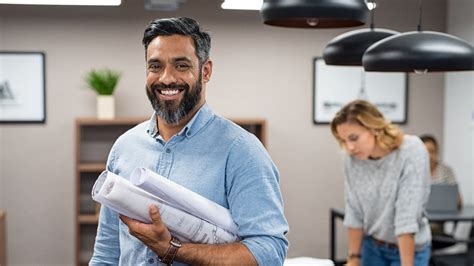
[(387, 197)]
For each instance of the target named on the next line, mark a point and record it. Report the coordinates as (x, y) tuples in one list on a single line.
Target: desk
[(466, 214), (334, 213)]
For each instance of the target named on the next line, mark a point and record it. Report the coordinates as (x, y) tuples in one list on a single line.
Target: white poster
[(22, 87), (334, 86)]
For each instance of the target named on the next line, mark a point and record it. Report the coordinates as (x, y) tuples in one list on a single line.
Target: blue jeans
[(374, 254)]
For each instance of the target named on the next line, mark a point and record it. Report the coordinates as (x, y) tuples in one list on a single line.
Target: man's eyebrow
[(182, 58), (153, 60), (176, 59)]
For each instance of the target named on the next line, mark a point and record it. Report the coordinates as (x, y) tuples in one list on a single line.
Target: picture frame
[(335, 86), (22, 87)]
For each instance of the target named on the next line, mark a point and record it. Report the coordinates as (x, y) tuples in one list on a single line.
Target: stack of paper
[(189, 216)]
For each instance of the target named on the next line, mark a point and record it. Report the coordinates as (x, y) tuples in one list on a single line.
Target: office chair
[(460, 259)]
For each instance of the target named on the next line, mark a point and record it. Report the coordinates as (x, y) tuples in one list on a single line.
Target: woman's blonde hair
[(388, 136)]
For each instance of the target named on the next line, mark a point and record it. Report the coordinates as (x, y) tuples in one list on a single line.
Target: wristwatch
[(352, 255), (168, 258)]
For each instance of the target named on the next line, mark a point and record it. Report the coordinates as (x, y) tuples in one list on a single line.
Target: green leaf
[(102, 81)]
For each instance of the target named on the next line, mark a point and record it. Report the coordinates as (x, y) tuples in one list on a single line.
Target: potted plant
[(103, 82)]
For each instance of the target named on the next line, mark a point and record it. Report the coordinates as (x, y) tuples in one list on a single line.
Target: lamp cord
[(420, 10), (372, 15)]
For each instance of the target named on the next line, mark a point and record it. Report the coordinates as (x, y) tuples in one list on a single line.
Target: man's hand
[(156, 235)]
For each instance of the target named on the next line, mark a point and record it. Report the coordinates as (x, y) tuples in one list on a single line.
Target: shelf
[(88, 219), (93, 140), (248, 121), (92, 121), (91, 167)]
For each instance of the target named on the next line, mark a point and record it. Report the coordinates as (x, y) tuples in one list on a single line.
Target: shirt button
[(151, 261), (188, 133), (168, 150)]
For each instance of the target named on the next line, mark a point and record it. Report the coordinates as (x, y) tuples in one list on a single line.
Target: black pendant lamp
[(348, 48), (419, 51), (314, 13)]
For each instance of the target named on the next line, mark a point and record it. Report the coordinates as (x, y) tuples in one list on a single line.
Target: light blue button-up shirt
[(215, 158)]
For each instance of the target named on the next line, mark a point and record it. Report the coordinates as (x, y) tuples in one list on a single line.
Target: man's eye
[(182, 66), (153, 67)]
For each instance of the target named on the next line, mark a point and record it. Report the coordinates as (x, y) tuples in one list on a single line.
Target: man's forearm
[(157, 237), (406, 244), (223, 254)]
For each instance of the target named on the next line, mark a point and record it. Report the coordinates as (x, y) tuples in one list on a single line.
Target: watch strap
[(351, 256), (170, 254)]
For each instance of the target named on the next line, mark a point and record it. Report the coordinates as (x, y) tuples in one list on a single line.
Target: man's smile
[(168, 94)]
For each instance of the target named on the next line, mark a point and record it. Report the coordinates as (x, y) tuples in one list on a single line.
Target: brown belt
[(384, 244)]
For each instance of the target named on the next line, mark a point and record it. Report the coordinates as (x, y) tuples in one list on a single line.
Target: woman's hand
[(353, 262)]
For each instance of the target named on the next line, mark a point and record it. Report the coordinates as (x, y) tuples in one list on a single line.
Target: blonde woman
[(387, 183)]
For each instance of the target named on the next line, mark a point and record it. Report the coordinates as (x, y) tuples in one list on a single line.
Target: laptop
[(443, 198)]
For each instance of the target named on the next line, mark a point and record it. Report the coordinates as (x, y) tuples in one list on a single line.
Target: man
[(186, 142)]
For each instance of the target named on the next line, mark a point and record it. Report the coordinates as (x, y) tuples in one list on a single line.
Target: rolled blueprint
[(123, 197), (187, 200)]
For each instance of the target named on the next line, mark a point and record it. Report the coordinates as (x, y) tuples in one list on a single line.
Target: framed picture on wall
[(22, 87), (334, 86)]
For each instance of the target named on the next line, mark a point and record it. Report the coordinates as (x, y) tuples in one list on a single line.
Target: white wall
[(259, 71), (458, 144)]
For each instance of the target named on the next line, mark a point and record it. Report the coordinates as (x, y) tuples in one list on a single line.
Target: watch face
[(175, 242)]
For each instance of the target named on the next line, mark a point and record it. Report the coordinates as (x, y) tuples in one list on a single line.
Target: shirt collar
[(152, 128), (199, 120)]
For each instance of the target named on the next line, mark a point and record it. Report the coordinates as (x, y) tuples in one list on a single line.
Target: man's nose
[(168, 76)]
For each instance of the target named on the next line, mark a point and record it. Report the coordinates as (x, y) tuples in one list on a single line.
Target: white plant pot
[(105, 107)]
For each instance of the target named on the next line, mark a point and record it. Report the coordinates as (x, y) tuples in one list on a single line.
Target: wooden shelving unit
[(91, 167), (257, 126), (94, 139)]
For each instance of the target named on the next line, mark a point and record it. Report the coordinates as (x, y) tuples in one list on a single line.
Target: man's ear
[(206, 71)]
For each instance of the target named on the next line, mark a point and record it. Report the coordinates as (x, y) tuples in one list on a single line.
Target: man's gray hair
[(181, 26)]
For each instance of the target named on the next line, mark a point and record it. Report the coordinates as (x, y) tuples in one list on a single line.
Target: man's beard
[(171, 111)]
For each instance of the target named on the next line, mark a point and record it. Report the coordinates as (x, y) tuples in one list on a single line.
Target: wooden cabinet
[(94, 139), (257, 126)]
